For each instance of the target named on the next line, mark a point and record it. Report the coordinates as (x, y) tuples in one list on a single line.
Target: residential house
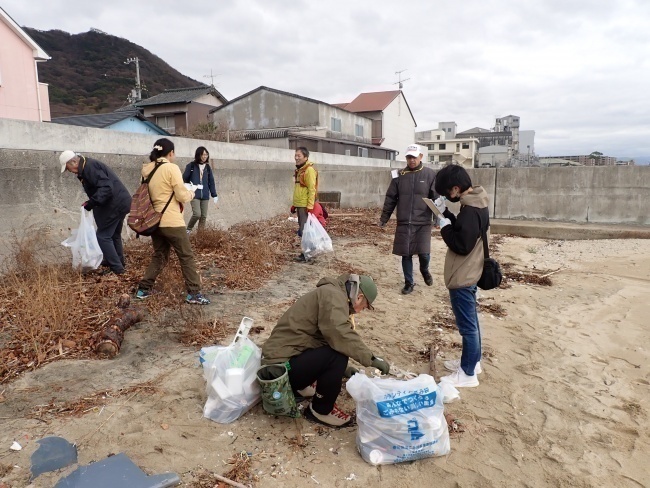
[(269, 117), (123, 121), (505, 144), (180, 109), (22, 96), (443, 147), (393, 122)]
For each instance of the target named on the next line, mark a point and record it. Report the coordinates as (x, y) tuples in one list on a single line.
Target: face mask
[(456, 199)]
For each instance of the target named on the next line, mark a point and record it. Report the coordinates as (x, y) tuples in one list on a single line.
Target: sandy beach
[(563, 399)]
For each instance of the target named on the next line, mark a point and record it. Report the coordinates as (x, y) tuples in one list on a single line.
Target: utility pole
[(138, 86)]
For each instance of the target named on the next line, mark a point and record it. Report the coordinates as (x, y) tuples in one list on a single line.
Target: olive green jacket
[(319, 318)]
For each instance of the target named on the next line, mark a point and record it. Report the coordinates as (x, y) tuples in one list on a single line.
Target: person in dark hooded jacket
[(463, 265), (414, 218), (108, 198), (199, 172)]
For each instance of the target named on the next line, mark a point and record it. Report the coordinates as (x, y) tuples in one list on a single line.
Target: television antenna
[(212, 76), (400, 81)]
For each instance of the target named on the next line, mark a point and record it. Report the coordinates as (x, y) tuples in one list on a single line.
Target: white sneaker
[(460, 380), (454, 365), (336, 418)]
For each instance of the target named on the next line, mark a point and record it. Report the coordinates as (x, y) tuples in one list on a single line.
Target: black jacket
[(107, 196), (414, 218)]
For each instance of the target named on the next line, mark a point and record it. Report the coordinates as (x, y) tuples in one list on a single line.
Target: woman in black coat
[(199, 172)]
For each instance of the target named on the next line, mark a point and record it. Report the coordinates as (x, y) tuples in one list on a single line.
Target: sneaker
[(308, 391), (454, 365), (189, 230), (428, 279), (143, 294), (336, 418), (408, 288), (197, 299), (460, 380)]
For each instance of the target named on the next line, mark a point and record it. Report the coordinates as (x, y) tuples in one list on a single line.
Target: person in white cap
[(108, 198), (414, 218)]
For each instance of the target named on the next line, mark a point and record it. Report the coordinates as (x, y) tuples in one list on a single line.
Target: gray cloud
[(575, 72)]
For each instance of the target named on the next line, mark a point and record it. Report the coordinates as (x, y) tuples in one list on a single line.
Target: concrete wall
[(268, 110), (25, 135), (398, 127), (257, 182)]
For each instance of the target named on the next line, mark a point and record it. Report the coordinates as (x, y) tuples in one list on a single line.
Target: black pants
[(324, 365), (109, 238)]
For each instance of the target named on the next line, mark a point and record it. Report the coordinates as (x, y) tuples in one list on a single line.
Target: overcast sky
[(576, 71)]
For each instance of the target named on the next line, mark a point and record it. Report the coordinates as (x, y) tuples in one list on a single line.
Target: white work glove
[(191, 186), (444, 222), (440, 204), (216, 199)]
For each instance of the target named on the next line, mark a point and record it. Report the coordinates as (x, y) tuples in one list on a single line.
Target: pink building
[(22, 96)]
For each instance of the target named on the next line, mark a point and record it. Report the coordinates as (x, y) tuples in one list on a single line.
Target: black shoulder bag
[(491, 277)]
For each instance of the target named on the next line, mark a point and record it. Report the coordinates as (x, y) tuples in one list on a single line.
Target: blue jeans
[(463, 303), (407, 266)]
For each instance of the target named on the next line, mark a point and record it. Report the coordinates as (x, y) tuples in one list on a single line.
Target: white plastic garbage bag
[(86, 253), (231, 376), (315, 239), (399, 420)]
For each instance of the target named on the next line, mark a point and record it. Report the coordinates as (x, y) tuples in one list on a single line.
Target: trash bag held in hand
[(86, 253), (230, 373), (399, 420), (315, 239)]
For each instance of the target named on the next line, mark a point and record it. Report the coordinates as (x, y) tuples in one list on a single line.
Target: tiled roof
[(181, 95), (100, 121), (372, 102), (375, 102)]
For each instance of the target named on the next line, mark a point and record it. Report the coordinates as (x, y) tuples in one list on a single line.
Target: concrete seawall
[(256, 183)]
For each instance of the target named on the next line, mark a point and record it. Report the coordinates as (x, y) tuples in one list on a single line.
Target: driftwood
[(109, 340), (433, 352)]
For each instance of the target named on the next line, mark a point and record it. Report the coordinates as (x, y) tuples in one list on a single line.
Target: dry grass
[(49, 311), (81, 406)]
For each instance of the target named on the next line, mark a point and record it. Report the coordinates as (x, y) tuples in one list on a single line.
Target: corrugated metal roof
[(181, 95), (101, 121), (95, 120)]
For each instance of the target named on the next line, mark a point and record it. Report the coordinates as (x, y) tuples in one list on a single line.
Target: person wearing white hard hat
[(108, 198)]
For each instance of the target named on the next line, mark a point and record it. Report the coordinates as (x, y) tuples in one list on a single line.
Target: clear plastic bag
[(399, 420), (315, 239), (231, 377), (86, 253)]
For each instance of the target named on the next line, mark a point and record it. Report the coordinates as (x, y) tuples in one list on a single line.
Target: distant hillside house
[(274, 118), (123, 121), (179, 109), (393, 122), (22, 96)]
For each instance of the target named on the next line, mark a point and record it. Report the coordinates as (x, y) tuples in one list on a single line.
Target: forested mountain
[(87, 73)]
